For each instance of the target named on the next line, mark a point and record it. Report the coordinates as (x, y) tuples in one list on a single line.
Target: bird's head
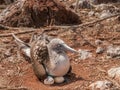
[(60, 46)]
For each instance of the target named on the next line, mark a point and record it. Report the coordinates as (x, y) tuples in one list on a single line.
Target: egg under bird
[(48, 56)]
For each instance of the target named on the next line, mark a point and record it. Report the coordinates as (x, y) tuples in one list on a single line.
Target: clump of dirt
[(36, 13)]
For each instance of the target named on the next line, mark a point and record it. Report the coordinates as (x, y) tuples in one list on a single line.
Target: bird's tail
[(24, 47)]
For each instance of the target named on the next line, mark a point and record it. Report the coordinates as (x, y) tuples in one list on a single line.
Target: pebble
[(105, 13), (101, 85), (84, 54), (98, 42), (99, 50), (113, 51), (82, 4), (91, 13), (114, 72)]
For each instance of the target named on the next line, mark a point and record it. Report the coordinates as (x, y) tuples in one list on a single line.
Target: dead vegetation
[(37, 13)]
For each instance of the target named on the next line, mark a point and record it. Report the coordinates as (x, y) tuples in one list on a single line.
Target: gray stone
[(91, 13), (98, 42), (101, 85), (113, 51), (99, 50), (114, 72), (101, 7), (105, 13), (82, 4), (84, 54)]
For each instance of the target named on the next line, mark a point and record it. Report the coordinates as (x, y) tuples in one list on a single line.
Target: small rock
[(91, 13), (82, 4), (84, 54), (105, 13), (99, 27), (98, 42), (99, 50), (114, 72), (113, 51), (8, 53), (11, 59), (117, 27), (101, 7), (10, 72), (101, 85)]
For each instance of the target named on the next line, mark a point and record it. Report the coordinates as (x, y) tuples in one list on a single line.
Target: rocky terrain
[(96, 67)]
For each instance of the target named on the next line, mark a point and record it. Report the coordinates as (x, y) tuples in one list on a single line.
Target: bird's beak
[(67, 48)]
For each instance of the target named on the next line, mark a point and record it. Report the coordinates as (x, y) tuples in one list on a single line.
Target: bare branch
[(76, 6), (10, 34), (2, 27), (61, 27)]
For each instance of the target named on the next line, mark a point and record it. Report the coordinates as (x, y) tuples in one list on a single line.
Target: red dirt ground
[(17, 74)]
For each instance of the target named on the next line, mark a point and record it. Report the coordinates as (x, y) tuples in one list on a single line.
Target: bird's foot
[(59, 79), (49, 80)]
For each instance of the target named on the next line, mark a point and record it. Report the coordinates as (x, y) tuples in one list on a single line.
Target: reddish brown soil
[(37, 13), (17, 72)]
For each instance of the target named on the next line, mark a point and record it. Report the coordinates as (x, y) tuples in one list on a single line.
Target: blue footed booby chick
[(49, 59)]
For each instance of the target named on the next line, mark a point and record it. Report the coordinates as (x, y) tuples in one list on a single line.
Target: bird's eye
[(59, 45)]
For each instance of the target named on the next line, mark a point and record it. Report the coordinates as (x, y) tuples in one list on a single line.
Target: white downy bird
[(48, 56)]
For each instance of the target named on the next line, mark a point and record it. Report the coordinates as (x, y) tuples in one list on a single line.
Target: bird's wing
[(39, 55), (24, 47)]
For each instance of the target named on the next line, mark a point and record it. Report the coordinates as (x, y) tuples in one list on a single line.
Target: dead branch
[(16, 88), (61, 27), (2, 27), (101, 70), (10, 34), (76, 6), (28, 31)]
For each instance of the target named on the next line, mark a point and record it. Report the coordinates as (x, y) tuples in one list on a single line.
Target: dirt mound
[(36, 13)]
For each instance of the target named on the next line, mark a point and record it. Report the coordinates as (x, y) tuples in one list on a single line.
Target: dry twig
[(60, 27), (10, 34), (47, 29), (10, 88), (76, 6), (2, 27)]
